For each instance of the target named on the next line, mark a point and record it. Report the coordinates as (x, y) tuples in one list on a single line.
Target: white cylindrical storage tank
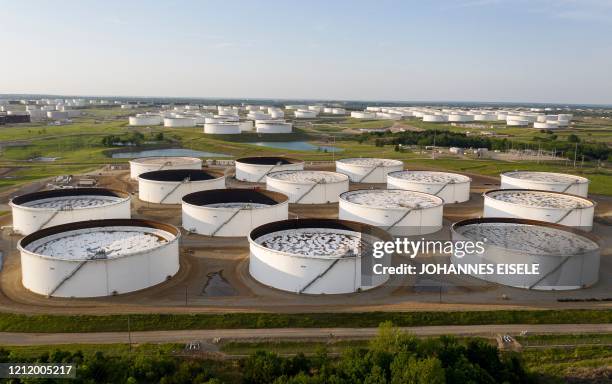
[(552, 207), (456, 118), (273, 126), (224, 128), (338, 111), (308, 187), (546, 181), (150, 164), (316, 256), (34, 211), (368, 170), (451, 187), (169, 186), (175, 122), (400, 212), (246, 126), (140, 120), (566, 258), (232, 212), (255, 169), (517, 123), (434, 118), (485, 117), (276, 114), (363, 115), (99, 257), (304, 114)]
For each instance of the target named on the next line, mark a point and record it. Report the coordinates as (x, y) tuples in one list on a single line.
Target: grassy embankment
[(152, 322)]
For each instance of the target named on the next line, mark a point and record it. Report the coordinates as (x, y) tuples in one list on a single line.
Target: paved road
[(8, 338)]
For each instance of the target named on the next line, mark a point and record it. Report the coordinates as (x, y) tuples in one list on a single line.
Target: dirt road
[(7, 338)]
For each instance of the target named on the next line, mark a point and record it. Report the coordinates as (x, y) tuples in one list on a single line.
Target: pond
[(297, 146), (166, 152)]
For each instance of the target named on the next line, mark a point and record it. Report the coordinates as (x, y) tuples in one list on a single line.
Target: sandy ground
[(214, 272)]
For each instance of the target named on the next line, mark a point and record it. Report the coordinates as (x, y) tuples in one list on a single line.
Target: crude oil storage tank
[(273, 126), (367, 169), (451, 187), (34, 211), (222, 128), (169, 186), (308, 187), (398, 211), (141, 120), (553, 207), (545, 181), (304, 114), (99, 257), (566, 258), (316, 256), (363, 115), (255, 169), (176, 122), (150, 164), (429, 118), (232, 212)]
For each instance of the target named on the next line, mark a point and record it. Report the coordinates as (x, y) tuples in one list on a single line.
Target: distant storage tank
[(224, 128), (255, 169), (451, 187), (308, 187), (546, 125), (34, 211), (338, 111), (565, 258), (545, 181), (142, 120), (176, 122), (169, 186), (552, 207), (400, 212), (363, 115), (99, 257), (304, 114), (232, 212), (368, 170), (246, 126), (485, 117), (456, 118), (150, 164), (434, 118), (316, 256), (273, 126)]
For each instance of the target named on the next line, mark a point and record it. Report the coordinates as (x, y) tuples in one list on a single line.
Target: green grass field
[(152, 322), (78, 146)]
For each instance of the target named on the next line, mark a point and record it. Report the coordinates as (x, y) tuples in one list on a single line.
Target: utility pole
[(575, 154)]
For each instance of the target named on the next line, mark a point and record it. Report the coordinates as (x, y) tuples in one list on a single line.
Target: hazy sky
[(463, 50)]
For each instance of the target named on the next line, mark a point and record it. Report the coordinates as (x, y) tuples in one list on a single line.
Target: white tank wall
[(367, 174), (305, 114), (272, 126), (27, 220), (137, 166), (145, 120), (321, 193), (292, 273), (206, 220), (100, 277), (173, 122), (246, 126), (255, 173), (225, 128), (363, 115), (579, 189), (450, 193), (572, 217), (154, 191), (576, 272), (417, 222)]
